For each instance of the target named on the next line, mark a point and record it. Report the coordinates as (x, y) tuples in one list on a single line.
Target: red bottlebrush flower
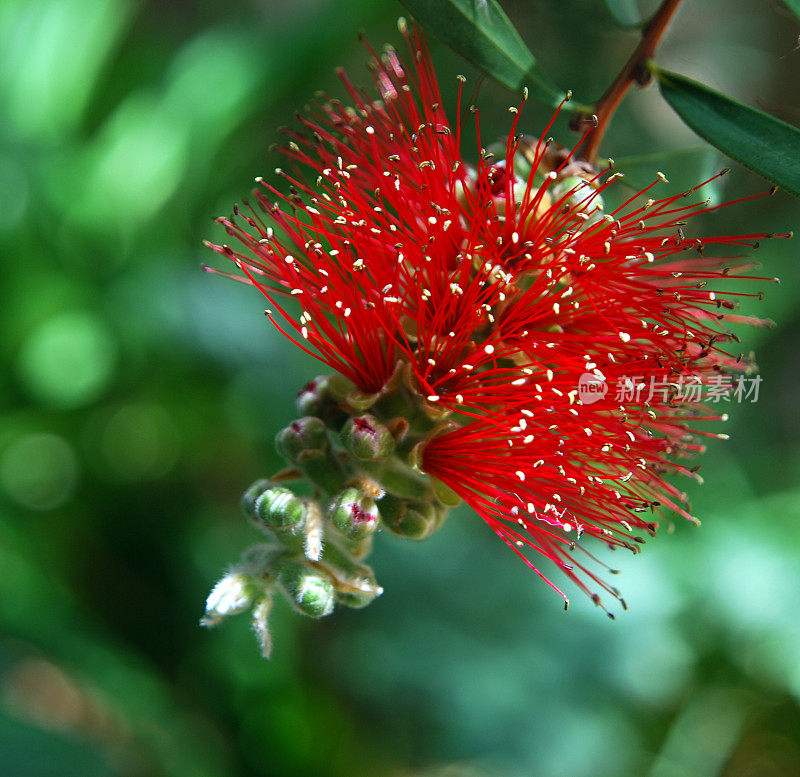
[(502, 286)]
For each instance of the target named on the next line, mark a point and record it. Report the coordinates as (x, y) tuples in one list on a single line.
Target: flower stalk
[(634, 71)]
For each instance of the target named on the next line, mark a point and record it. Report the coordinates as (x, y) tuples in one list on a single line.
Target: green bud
[(412, 519), (353, 581), (358, 592), (249, 497), (444, 493), (305, 443), (354, 514), (529, 150), (322, 396), (230, 596), (311, 398), (367, 438), (579, 193), (305, 434), (342, 563), (465, 191), (279, 508), (309, 591)]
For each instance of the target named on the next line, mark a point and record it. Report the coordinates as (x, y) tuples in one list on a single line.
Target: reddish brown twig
[(635, 70)]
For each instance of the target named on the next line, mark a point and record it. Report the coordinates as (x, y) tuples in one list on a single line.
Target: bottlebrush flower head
[(497, 286)]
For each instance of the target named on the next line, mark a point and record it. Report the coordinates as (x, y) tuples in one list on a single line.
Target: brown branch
[(635, 70)]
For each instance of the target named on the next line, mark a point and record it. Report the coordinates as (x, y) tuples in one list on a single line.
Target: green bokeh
[(139, 397), (68, 360)]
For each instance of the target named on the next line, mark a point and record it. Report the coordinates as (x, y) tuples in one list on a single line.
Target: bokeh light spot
[(39, 471), (68, 360), (140, 442)]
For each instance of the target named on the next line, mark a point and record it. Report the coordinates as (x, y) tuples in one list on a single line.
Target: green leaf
[(794, 6), (480, 32), (764, 144), (624, 12)]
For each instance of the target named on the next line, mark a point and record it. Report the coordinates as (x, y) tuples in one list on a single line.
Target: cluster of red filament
[(500, 293)]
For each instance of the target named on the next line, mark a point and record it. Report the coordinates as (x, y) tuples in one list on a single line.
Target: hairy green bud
[(279, 508), (301, 436), (233, 594), (353, 581), (250, 496), (305, 443), (578, 193), (322, 397), (367, 438), (412, 519), (357, 592), (354, 514), (310, 591)]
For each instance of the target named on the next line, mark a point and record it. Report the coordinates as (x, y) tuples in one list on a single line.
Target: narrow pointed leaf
[(794, 6), (480, 32), (766, 145)]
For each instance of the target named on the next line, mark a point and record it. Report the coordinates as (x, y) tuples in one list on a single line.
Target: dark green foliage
[(766, 145)]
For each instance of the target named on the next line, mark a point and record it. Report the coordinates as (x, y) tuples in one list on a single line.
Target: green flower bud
[(579, 193), (279, 508), (305, 443), (367, 438), (305, 434), (311, 398), (354, 514), (465, 190), (309, 591), (249, 497), (321, 397), (357, 592), (353, 581), (412, 519), (343, 564), (444, 493), (230, 596)]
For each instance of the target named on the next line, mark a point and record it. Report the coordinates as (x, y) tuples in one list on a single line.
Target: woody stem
[(635, 70)]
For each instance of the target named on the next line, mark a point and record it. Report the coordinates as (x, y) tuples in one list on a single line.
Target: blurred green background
[(139, 397)]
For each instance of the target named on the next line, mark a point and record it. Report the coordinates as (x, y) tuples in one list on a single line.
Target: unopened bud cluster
[(358, 453)]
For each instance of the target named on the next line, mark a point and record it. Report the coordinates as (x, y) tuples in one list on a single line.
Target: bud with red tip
[(354, 514), (301, 436), (367, 438), (322, 397), (305, 443)]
